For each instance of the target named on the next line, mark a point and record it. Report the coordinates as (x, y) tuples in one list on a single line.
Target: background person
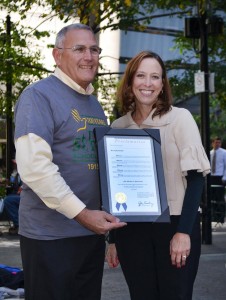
[(160, 260), (61, 227), (218, 180), (12, 200)]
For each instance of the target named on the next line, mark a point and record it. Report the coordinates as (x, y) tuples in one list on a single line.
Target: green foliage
[(183, 87), (19, 66), (2, 191), (217, 119), (118, 14), (107, 85), (40, 34), (94, 12)]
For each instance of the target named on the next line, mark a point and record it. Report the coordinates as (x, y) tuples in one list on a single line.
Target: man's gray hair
[(62, 33)]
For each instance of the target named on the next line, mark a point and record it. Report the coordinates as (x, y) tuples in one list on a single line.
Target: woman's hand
[(180, 246), (111, 256)]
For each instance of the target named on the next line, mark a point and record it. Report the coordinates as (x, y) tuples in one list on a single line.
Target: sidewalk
[(210, 282)]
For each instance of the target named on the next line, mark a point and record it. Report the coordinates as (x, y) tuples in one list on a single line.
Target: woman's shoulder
[(121, 122), (180, 110), (179, 113)]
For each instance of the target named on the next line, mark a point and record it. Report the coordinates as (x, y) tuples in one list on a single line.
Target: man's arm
[(35, 166)]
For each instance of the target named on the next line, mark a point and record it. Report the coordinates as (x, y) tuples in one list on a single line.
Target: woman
[(160, 260)]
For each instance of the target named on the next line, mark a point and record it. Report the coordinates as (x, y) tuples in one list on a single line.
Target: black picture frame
[(128, 159)]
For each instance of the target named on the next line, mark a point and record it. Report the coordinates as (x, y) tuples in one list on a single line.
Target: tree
[(100, 15), (19, 66), (125, 15), (137, 14), (216, 50)]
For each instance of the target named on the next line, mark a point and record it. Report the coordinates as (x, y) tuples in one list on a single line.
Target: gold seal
[(120, 197)]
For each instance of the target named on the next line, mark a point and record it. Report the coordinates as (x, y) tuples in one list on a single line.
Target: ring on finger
[(184, 257)]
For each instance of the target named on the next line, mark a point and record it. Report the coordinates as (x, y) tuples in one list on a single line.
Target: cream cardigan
[(182, 150)]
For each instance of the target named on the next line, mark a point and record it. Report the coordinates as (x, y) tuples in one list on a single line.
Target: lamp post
[(199, 28), (9, 127), (205, 129)]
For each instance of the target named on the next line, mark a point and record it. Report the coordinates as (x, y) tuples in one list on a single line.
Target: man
[(218, 179), (61, 227), (12, 200)]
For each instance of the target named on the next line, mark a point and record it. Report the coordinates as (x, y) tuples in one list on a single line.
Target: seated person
[(12, 200)]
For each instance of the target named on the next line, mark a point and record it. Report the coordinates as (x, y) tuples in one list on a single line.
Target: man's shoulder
[(46, 88), (50, 80), (221, 151)]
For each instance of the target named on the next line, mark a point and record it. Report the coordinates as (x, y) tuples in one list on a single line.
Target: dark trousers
[(63, 269), (143, 251), (217, 199), (11, 205)]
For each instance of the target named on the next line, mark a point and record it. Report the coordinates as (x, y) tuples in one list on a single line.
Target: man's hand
[(98, 221)]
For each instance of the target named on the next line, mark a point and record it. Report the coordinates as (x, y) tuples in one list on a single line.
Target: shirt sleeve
[(37, 171), (188, 140), (193, 194)]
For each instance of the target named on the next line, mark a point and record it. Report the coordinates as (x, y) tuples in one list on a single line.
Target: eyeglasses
[(80, 50)]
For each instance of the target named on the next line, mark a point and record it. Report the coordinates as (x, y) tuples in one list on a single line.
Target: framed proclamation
[(131, 174)]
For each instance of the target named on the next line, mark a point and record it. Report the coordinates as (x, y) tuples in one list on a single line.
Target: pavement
[(210, 282)]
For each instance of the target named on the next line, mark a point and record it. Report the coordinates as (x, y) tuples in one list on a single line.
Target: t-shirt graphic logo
[(78, 119)]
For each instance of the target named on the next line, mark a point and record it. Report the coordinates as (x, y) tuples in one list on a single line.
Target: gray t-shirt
[(65, 120)]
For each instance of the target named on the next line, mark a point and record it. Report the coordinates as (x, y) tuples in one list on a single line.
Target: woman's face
[(147, 82)]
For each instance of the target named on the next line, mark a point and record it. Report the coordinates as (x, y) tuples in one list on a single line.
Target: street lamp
[(199, 28), (9, 126)]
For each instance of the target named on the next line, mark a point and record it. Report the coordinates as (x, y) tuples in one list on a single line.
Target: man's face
[(80, 67), (216, 144)]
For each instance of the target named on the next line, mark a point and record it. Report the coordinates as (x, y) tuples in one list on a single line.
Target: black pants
[(143, 250), (63, 269), (217, 199)]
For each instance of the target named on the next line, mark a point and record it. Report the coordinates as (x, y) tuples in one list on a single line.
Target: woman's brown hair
[(125, 95)]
